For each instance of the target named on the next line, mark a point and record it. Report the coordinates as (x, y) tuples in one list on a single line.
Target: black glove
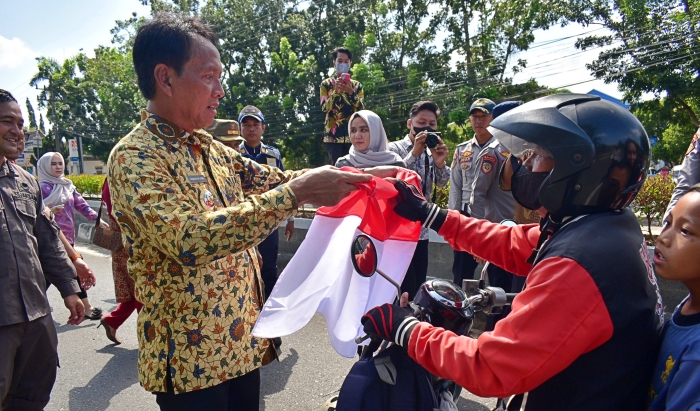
[(390, 322), (413, 206)]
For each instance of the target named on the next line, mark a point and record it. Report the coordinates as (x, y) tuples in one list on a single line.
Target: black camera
[(433, 139)]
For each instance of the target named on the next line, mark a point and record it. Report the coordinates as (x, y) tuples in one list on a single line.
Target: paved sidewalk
[(96, 375)]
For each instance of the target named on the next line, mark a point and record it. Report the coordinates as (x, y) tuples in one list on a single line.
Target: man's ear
[(163, 74), (409, 123), (264, 127)]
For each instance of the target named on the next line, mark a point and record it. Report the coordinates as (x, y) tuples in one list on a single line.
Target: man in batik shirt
[(191, 213), (340, 98)]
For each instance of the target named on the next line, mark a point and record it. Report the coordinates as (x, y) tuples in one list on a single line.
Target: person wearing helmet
[(227, 133), (584, 333)]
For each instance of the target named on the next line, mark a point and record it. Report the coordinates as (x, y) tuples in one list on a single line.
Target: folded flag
[(320, 276)]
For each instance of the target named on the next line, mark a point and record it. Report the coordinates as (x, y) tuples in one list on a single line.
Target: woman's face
[(359, 134), (56, 166)]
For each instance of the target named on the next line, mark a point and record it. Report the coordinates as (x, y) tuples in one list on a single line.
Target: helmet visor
[(522, 149)]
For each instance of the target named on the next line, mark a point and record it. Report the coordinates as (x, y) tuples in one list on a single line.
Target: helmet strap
[(547, 229)]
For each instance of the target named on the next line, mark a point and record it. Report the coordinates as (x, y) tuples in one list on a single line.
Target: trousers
[(28, 361), (268, 251), (239, 394), (117, 317), (417, 270)]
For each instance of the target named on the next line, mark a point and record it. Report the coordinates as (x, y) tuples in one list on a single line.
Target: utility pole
[(55, 119)]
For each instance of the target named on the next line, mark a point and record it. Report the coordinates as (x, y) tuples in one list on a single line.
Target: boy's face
[(677, 255)]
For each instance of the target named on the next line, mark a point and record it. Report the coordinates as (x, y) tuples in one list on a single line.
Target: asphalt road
[(96, 375)]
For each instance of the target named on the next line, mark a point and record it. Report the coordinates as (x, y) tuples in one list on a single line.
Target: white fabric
[(321, 278), (63, 188), (377, 153)]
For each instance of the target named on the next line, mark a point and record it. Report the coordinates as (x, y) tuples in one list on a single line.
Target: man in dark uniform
[(252, 123), (30, 250), (227, 133), (584, 333)]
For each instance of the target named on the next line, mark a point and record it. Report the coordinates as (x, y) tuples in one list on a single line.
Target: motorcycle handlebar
[(510, 297)]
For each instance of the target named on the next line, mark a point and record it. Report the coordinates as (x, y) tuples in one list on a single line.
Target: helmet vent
[(577, 158)]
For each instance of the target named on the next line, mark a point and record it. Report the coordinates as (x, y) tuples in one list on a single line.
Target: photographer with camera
[(474, 186), (425, 153)]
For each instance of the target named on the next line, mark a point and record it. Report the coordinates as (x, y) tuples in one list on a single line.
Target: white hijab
[(63, 188), (377, 154)]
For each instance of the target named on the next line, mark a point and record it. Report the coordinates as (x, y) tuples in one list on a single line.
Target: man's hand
[(412, 204), (325, 186), (76, 308), (419, 144), (390, 322), (439, 154), (289, 230), (343, 86), (87, 277)]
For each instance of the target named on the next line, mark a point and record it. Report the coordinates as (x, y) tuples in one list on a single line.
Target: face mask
[(342, 68), (525, 186), (417, 130)]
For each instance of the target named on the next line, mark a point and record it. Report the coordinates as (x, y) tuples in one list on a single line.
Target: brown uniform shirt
[(29, 250)]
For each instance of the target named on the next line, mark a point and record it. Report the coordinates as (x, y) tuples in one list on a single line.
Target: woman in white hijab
[(370, 147), (61, 197)]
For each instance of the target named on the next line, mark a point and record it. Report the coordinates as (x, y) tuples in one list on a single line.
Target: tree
[(651, 50), (652, 200), (31, 114)]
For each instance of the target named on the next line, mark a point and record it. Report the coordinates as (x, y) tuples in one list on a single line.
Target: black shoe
[(277, 341)]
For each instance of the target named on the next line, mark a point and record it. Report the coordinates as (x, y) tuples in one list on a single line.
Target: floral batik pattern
[(339, 106), (191, 212)]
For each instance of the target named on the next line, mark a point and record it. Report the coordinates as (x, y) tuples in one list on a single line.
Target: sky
[(60, 29)]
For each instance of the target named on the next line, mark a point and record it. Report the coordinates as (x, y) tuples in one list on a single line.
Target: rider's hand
[(390, 322), (413, 206)]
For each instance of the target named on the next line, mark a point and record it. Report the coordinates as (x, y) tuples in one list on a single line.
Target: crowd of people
[(198, 202)]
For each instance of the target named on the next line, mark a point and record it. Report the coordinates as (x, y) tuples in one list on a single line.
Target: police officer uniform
[(475, 189), (271, 156)]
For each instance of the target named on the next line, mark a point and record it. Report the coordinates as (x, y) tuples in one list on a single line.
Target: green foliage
[(87, 184), (652, 51), (31, 115), (275, 54), (652, 200)]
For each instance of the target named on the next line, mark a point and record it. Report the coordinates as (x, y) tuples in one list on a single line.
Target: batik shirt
[(190, 235), (339, 106)]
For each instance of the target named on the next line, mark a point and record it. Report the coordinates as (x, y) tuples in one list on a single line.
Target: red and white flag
[(320, 276)]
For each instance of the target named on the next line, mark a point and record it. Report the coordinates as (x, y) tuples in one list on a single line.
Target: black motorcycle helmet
[(445, 305), (600, 151)]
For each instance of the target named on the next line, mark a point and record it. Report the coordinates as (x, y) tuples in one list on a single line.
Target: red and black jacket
[(584, 333)]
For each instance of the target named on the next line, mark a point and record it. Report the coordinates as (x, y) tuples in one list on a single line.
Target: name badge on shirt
[(197, 178), (271, 161)]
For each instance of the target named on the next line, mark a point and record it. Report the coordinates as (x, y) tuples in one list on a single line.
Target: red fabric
[(367, 260), (374, 202), (558, 317), (106, 197), (117, 317)]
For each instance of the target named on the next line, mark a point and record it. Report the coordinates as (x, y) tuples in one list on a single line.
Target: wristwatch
[(75, 257)]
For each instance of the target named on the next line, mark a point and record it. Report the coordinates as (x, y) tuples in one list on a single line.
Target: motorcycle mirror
[(364, 256)]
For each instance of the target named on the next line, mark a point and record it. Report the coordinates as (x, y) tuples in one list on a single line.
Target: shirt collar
[(172, 133), (253, 150), (6, 169)]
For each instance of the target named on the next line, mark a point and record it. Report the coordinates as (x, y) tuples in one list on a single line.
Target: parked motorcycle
[(438, 302)]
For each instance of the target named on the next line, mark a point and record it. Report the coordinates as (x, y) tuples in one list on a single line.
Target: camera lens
[(431, 140)]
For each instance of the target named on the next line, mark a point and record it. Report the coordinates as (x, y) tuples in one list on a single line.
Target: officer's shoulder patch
[(487, 163)]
